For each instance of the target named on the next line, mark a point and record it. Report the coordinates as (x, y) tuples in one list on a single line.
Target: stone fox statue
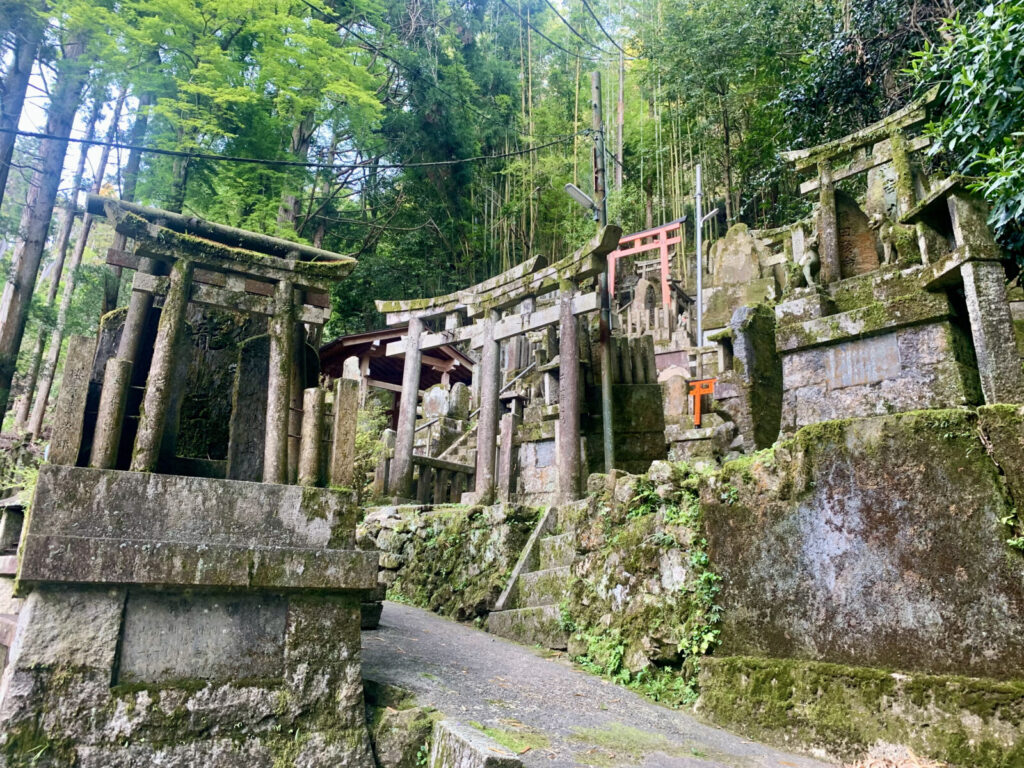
[(810, 262), (899, 242)]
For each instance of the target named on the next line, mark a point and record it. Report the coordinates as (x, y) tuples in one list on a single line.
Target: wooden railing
[(436, 481), (439, 481)]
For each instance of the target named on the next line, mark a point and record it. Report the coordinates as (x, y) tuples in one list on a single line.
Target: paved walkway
[(560, 715)]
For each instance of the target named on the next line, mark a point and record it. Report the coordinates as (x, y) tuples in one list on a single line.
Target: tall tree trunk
[(35, 219), (27, 35), (727, 146), (112, 275), (302, 135), (179, 183), (61, 251), (35, 424), (648, 183)]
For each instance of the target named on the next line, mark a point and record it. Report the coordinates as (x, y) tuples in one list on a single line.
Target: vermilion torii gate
[(486, 314)]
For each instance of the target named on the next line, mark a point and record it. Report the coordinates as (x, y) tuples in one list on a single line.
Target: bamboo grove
[(429, 138)]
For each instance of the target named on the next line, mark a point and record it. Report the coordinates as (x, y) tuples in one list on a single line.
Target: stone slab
[(911, 368), (530, 626), (876, 318), (109, 527), (173, 636), (544, 587), (137, 506), (69, 413), (76, 560), (874, 542), (459, 746), (556, 551)]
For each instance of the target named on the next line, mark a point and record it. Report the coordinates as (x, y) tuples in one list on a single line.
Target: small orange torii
[(699, 388)]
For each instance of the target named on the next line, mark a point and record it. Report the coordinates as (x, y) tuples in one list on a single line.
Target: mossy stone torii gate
[(219, 266), (486, 314)]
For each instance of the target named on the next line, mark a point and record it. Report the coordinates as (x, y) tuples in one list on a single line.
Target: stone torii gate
[(218, 266), (503, 307)]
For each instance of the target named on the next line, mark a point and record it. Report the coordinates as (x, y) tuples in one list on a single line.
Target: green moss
[(974, 723), (627, 544), (27, 745), (458, 559), (518, 740), (113, 319)]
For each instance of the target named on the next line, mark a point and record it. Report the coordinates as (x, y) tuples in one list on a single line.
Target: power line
[(601, 27), (559, 47), (295, 163), (575, 32)]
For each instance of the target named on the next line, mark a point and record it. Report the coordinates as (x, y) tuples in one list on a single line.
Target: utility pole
[(601, 201), (621, 121), (699, 219)]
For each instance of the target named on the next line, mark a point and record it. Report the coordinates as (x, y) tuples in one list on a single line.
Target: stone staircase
[(463, 450), (528, 610)]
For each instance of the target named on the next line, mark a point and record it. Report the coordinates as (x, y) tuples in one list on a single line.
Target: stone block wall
[(873, 345), (876, 542), (453, 560), (860, 584), (184, 621), (910, 368)]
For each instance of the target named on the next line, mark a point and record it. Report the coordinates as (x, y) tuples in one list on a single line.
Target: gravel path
[(567, 717)]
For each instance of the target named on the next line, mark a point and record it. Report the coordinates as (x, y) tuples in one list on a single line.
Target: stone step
[(546, 587), (571, 513), (530, 626), (557, 551)]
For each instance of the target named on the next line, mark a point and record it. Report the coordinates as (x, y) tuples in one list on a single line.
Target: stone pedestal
[(187, 621)]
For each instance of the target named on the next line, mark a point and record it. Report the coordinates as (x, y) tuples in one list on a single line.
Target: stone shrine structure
[(174, 613)]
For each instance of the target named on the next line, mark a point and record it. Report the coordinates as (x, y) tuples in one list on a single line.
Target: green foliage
[(370, 423), (980, 74)]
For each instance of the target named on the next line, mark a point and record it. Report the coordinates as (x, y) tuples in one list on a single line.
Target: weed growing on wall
[(648, 639)]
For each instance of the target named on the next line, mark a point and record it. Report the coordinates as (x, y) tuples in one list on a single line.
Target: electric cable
[(556, 45), (575, 32), (295, 163), (601, 27)]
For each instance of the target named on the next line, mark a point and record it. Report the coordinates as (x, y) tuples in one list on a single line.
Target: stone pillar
[(400, 482), (904, 173), (490, 402), (999, 367), (969, 217), (312, 437), (295, 409), (69, 414), (139, 304), (568, 401), (343, 451), (106, 439), (828, 228), (506, 456), (160, 381), (282, 353), (380, 474)]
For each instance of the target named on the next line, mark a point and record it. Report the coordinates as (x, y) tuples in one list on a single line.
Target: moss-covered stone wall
[(454, 560), (640, 607), (845, 711), (859, 584), (879, 541)]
